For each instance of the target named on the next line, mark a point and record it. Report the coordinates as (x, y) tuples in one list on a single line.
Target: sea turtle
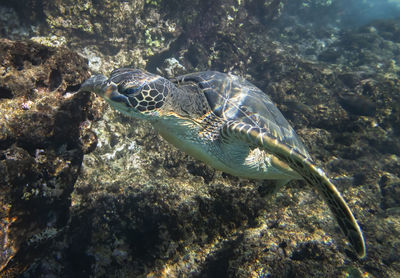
[(228, 123)]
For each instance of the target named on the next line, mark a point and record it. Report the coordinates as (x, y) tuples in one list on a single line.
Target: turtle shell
[(233, 98)]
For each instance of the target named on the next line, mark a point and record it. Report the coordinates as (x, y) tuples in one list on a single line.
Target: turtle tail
[(313, 175)]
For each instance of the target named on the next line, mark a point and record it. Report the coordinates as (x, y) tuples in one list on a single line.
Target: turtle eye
[(132, 90), (129, 89)]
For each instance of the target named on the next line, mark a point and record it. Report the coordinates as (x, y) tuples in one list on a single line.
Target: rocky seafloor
[(134, 206)]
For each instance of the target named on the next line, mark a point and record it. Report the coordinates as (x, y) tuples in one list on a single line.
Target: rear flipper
[(339, 208), (335, 201), (304, 167)]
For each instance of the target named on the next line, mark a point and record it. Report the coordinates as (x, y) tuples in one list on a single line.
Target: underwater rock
[(358, 105), (42, 143)]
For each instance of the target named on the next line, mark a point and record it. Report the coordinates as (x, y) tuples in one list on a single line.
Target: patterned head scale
[(130, 90), (137, 89)]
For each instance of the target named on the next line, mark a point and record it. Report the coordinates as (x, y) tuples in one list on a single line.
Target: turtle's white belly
[(235, 159)]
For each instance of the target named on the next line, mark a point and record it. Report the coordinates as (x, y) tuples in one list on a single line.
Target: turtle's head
[(132, 91)]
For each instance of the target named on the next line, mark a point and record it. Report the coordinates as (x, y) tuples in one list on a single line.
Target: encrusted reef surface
[(43, 137), (141, 208)]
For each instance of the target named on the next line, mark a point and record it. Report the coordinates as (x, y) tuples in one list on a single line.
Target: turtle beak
[(94, 84), (100, 85)]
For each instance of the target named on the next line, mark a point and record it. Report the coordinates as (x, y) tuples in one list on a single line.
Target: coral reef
[(42, 141), (143, 208)]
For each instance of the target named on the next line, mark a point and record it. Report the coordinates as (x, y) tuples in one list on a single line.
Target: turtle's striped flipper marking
[(313, 175)]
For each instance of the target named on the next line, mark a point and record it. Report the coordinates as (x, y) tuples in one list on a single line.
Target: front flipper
[(263, 139)]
